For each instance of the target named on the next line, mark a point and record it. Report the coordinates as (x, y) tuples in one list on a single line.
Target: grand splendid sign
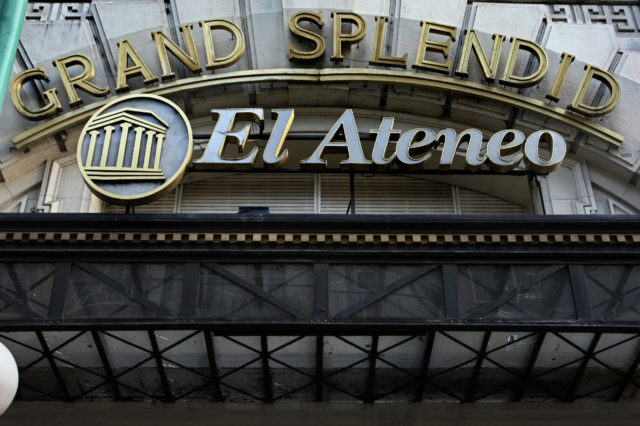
[(137, 147)]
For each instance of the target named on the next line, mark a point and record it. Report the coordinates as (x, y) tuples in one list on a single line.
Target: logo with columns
[(135, 149)]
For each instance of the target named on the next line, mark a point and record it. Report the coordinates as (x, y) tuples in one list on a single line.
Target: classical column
[(147, 149), (136, 147), (92, 148), (122, 147), (159, 138), (106, 145)]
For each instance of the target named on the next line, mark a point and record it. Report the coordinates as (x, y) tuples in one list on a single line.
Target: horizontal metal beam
[(195, 222), (288, 327)]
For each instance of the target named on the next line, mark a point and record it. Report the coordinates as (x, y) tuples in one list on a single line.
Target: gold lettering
[(340, 38), (565, 62), (471, 43), (509, 78), (164, 43), (578, 104), (297, 30), (427, 45), (53, 105), (273, 155), (378, 58), (81, 81), (126, 52), (236, 33)]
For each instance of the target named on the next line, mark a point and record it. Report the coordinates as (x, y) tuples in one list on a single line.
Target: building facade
[(320, 203)]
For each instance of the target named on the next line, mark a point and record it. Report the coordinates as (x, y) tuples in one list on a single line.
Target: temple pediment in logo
[(108, 159)]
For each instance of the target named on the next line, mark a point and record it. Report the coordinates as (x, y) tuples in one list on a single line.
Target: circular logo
[(135, 149)]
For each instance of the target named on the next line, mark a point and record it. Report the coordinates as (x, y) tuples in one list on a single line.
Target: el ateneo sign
[(137, 148), (143, 142)]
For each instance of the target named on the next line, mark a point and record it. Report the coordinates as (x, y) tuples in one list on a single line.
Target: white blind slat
[(282, 193), (294, 193), (163, 205), (473, 202), (378, 194)]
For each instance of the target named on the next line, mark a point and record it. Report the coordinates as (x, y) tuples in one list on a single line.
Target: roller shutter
[(473, 202), (282, 193), (327, 194), (391, 194), (165, 204)]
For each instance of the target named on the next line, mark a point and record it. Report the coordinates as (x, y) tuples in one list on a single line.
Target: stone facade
[(595, 178)]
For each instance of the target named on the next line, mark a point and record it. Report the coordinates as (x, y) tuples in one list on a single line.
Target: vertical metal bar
[(570, 394), (169, 291), (106, 365), (583, 310), (471, 389), (137, 277), (540, 197), (190, 289), (21, 293), (258, 278), (450, 290), (424, 368), (630, 373), (352, 190), (52, 363), (317, 193), (532, 197), (320, 290), (213, 366), (266, 371), (533, 356), (370, 395), (537, 204), (59, 290), (163, 374), (617, 295), (319, 367)]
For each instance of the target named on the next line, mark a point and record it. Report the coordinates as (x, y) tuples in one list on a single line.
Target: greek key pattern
[(624, 18), (57, 11)]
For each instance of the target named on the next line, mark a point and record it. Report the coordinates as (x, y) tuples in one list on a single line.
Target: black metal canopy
[(371, 308)]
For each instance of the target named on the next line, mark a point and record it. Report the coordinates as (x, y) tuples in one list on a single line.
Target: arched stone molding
[(64, 191), (617, 194), (568, 190)]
